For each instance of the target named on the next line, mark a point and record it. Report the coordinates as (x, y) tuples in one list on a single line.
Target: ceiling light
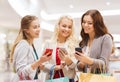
[(107, 3), (71, 6), (46, 16)]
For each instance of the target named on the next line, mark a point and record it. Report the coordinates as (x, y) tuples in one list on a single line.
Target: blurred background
[(48, 11)]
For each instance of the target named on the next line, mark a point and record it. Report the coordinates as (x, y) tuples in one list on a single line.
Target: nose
[(67, 28), (85, 24), (38, 29)]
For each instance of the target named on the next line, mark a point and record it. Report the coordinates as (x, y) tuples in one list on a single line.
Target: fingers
[(41, 67), (61, 52), (78, 53), (48, 53), (64, 51)]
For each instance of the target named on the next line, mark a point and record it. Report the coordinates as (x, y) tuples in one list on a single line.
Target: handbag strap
[(35, 52), (38, 70), (52, 72)]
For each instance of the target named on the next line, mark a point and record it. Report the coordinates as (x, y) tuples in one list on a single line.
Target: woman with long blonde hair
[(63, 40)]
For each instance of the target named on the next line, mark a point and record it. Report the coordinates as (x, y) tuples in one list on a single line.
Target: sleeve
[(22, 66), (106, 49), (74, 63)]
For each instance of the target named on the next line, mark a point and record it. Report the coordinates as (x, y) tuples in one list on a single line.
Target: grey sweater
[(100, 51)]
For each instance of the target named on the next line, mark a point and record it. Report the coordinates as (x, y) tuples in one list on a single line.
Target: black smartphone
[(79, 49)]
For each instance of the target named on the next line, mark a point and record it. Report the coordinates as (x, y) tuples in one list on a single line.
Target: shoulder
[(22, 43), (106, 37)]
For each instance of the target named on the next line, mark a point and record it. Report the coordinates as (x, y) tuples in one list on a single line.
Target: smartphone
[(48, 50), (79, 49), (64, 50)]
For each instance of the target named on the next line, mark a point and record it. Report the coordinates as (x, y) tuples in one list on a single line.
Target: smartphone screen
[(79, 49), (64, 50), (49, 50)]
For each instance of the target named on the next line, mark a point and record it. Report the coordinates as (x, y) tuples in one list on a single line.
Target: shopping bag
[(88, 77), (61, 79), (28, 79)]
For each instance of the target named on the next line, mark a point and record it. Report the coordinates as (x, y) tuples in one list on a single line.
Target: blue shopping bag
[(61, 79)]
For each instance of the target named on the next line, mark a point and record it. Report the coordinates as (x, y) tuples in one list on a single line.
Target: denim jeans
[(71, 80)]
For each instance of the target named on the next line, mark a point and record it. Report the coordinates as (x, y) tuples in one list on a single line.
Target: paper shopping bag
[(88, 77)]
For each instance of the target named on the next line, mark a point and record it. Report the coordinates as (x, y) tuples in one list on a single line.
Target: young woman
[(24, 56), (63, 38), (96, 43)]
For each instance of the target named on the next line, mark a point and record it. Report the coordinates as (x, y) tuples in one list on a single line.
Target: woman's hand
[(57, 67), (83, 58), (42, 59), (41, 67), (45, 57), (63, 55)]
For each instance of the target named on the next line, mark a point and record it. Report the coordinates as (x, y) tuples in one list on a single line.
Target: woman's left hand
[(83, 58), (41, 66), (64, 57), (62, 54)]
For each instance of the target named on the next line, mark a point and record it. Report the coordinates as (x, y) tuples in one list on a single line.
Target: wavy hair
[(98, 24), (71, 40)]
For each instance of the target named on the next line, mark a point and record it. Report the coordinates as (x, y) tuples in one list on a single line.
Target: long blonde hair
[(25, 24), (71, 40)]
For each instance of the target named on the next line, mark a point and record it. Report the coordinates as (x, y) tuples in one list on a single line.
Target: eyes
[(36, 26), (66, 26), (88, 23)]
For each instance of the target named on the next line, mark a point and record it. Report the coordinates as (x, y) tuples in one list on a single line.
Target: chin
[(86, 32)]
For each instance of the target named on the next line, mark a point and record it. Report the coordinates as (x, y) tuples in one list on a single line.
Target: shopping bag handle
[(52, 72)]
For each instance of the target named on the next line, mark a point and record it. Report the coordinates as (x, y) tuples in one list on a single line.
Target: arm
[(21, 60), (47, 65), (68, 60), (106, 49)]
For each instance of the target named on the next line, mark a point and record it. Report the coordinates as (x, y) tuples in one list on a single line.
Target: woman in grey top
[(96, 44)]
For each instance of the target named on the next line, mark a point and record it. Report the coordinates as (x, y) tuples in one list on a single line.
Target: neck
[(91, 36), (30, 41), (61, 40)]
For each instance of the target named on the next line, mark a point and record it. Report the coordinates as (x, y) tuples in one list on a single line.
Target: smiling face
[(34, 29), (88, 25), (65, 28)]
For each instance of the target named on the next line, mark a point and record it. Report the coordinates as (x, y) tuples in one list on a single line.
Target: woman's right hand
[(42, 59), (45, 57)]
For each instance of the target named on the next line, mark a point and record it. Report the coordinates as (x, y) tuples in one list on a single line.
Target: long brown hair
[(99, 26), (25, 24)]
